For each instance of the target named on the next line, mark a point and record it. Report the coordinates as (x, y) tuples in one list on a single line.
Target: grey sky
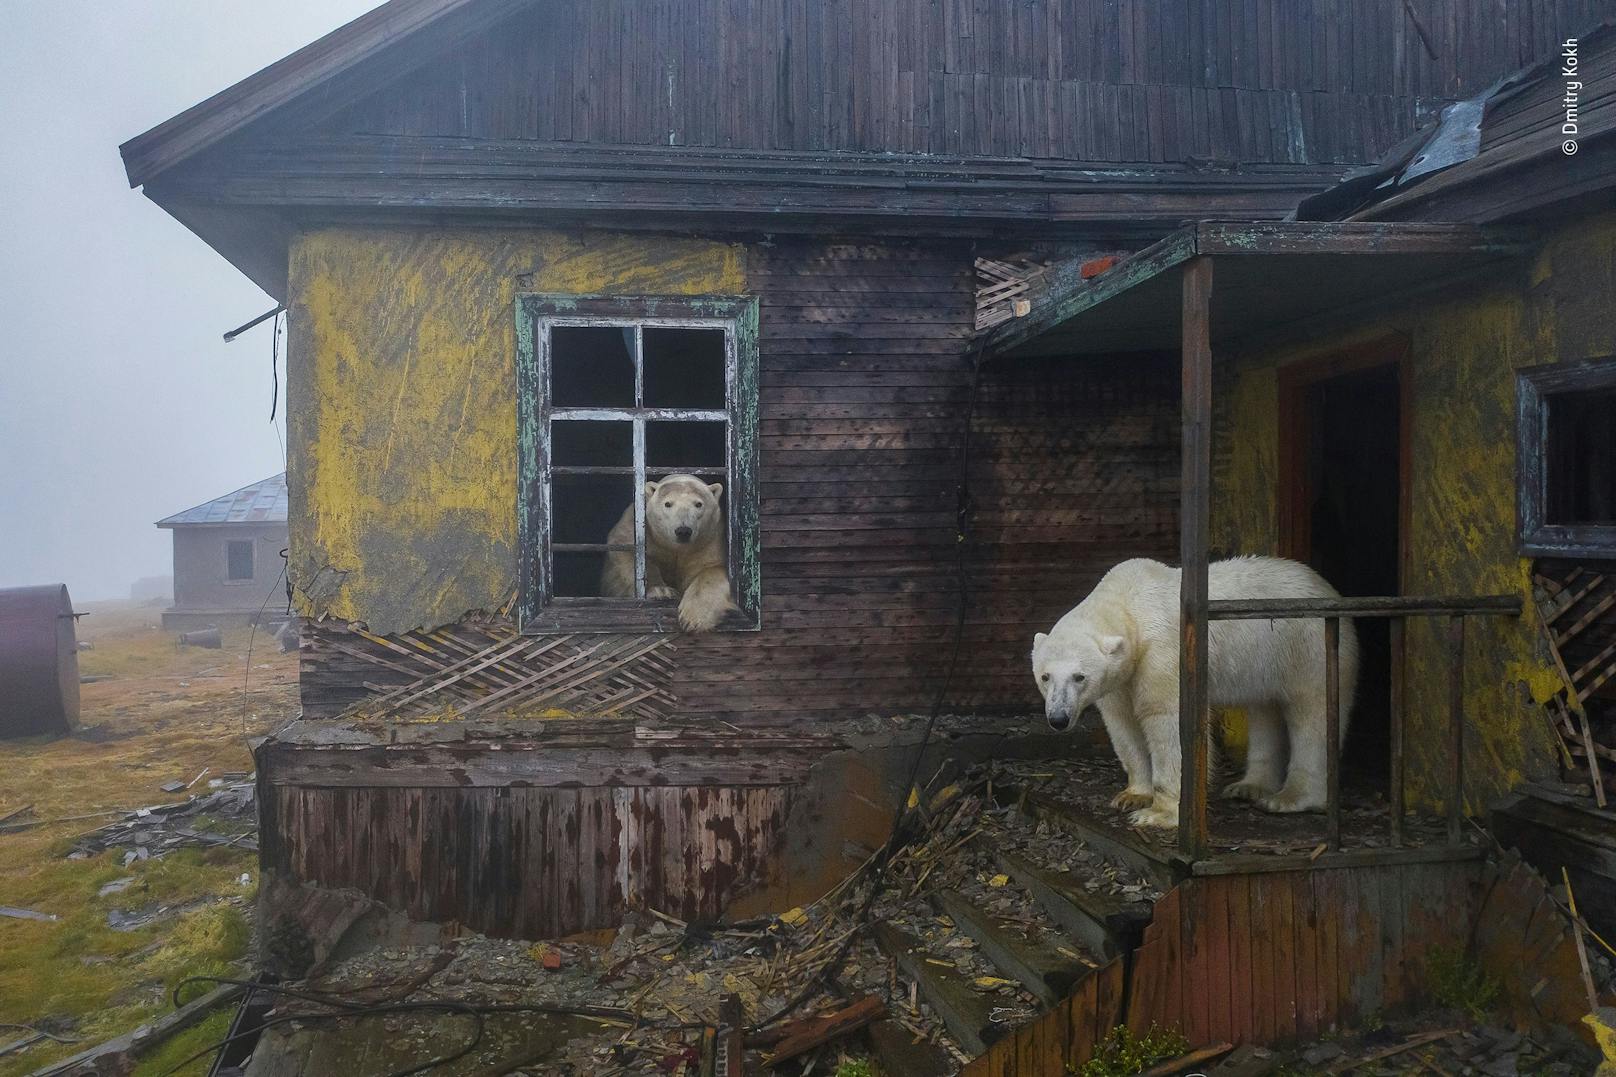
[(119, 403)]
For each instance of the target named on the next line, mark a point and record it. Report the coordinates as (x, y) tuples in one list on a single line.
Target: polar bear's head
[(681, 510), (1076, 671)]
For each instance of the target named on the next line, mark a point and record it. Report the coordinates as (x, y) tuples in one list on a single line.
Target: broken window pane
[(575, 443), (576, 573), (684, 368), (585, 508), (681, 445), (592, 366)]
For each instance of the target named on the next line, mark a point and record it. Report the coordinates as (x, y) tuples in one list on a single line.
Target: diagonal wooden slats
[(1577, 611), (480, 667)]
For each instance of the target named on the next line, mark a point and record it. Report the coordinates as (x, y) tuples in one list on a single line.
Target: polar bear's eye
[(667, 504), (1079, 678), (698, 504), (1044, 677)]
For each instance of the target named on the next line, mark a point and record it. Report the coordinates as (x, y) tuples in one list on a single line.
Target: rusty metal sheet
[(39, 661)]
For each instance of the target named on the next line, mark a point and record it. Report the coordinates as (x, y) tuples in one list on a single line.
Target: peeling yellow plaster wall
[(402, 403), (1464, 350)]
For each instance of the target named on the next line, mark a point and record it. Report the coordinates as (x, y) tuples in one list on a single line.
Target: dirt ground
[(152, 712)]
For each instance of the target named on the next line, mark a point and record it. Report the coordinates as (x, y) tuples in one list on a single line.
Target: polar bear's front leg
[(706, 600), (1162, 741), (1128, 741)]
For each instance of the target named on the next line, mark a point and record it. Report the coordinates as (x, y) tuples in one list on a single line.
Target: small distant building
[(227, 556)]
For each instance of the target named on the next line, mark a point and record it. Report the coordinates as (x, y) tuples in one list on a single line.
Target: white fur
[(1118, 651), (691, 567)]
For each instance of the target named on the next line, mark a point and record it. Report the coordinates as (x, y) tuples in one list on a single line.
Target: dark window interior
[(238, 560), (1353, 431), (683, 445), (1581, 458), (684, 368), (592, 366)]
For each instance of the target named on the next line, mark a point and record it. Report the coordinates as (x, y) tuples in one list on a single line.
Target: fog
[(119, 402)]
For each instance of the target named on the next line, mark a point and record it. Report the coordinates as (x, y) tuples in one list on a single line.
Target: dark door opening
[(1345, 519)]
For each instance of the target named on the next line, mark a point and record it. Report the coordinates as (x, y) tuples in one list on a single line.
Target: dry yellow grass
[(161, 713)]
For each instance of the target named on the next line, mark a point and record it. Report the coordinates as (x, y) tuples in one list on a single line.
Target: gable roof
[(323, 65), (262, 502)]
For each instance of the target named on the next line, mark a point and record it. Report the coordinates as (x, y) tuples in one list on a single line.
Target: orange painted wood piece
[(1095, 266)]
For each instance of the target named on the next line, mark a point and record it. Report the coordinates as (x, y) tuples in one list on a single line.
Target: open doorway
[(1343, 494)]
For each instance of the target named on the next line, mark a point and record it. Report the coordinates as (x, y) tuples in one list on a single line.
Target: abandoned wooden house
[(924, 293), (227, 556)]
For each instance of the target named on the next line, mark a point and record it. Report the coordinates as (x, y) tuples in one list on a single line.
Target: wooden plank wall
[(1288, 955), (1283, 81), (527, 862), (865, 384)]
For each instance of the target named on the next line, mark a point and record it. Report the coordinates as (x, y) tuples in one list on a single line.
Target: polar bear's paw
[(1131, 800), (1246, 790), (702, 614), (1155, 817), (1288, 801), (661, 592)]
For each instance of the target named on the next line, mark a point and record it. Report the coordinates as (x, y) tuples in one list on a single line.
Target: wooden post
[(1194, 520), (1332, 730), (1395, 794), (1456, 642)]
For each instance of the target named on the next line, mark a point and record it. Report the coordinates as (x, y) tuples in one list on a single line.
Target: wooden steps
[(1125, 848), (1099, 921), (1039, 966), (967, 1015)]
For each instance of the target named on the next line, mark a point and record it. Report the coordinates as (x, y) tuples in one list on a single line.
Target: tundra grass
[(161, 713)]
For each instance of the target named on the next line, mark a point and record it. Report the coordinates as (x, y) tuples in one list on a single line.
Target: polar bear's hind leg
[(1265, 755), (1305, 779)]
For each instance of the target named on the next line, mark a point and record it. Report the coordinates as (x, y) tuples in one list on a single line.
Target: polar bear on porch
[(685, 551), (1118, 651)]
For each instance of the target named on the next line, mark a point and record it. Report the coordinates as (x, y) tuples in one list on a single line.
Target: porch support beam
[(1194, 520)]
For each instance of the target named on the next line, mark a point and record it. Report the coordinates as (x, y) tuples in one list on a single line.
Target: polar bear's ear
[(1111, 644), (717, 489), (1038, 639), (650, 489)]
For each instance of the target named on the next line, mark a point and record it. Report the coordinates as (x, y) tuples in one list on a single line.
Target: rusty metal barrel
[(39, 661)]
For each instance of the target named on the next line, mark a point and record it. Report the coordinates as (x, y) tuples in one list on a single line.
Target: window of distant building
[(238, 556)]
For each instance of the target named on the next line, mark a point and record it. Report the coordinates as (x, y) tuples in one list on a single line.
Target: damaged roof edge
[(1069, 294), (337, 55)]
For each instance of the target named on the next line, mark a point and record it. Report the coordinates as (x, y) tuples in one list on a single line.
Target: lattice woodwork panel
[(1576, 603), (482, 668)]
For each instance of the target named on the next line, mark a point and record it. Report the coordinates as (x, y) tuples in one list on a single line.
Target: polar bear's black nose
[(682, 534), (1060, 723)]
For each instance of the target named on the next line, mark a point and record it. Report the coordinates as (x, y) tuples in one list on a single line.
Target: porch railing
[(1193, 830)]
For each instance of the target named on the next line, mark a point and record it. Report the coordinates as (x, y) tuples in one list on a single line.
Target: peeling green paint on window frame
[(538, 612)]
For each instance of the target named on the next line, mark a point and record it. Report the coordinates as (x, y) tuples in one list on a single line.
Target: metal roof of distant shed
[(263, 502)]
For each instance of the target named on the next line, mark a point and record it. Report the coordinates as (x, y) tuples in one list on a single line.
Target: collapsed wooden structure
[(449, 194)]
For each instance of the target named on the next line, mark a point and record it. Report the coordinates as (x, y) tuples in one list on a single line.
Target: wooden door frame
[(1292, 496)]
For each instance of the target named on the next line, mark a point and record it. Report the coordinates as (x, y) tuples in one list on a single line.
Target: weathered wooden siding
[(1463, 349), (865, 382), (531, 862), (1292, 81), (1272, 957)]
